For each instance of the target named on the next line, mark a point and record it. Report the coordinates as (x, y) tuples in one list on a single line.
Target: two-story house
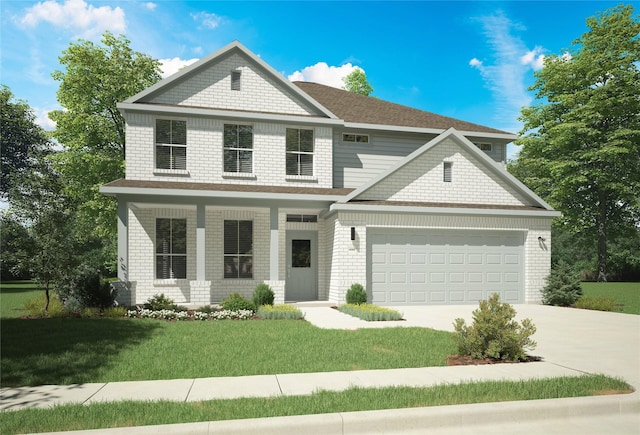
[(236, 176)]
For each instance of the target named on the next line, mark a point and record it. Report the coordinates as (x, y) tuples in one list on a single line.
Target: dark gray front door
[(302, 268)]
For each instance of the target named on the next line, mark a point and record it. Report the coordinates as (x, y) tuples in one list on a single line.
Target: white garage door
[(444, 266)]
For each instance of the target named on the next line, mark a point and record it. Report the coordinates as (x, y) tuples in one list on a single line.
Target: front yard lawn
[(79, 350)]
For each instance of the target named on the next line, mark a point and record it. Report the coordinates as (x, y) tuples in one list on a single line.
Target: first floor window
[(171, 248), (238, 249), (171, 144), (238, 148), (299, 152)]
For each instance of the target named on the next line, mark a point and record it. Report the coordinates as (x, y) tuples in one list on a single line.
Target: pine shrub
[(263, 295), (494, 333), (356, 295), (563, 286)]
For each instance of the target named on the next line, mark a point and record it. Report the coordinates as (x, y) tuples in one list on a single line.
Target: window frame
[(236, 80), (355, 140), (447, 172), (172, 166), (237, 149), (241, 258), (302, 218), (480, 146), (299, 153), (170, 256)]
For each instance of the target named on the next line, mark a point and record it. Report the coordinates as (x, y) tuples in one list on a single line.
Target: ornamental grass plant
[(279, 312), (370, 313)]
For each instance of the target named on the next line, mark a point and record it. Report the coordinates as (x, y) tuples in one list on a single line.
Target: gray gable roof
[(355, 108)]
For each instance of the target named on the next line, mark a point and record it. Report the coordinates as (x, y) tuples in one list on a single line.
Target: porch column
[(274, 257), (200, 288), (273, 246), (200, 242), (125, 295)]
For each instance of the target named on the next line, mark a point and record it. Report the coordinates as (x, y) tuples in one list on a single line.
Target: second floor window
[(171, 144), (299, 152), (238, 148)]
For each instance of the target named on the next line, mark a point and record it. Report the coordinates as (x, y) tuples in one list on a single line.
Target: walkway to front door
[(302, 266)]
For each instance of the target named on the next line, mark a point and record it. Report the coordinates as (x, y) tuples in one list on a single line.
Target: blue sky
[(468, 60)]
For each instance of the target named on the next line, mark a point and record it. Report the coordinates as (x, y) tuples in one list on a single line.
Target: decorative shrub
[(563, 286), (186, 315), (356, 295), (85, 288), (35, 307), (237, 302), (494, 333), (280, 311), (114, 312), (596, 303), (370, 313), (206, 309), (263, 295), (160, 302)]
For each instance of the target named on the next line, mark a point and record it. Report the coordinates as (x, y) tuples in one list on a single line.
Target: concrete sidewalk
[(572, 342)]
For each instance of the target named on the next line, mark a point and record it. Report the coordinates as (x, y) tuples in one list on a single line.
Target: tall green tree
[(581, 141), (91, 130), (23, 143), (357, 83)]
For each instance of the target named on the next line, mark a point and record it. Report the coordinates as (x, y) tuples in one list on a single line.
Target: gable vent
[(235, 80), (448, 172)]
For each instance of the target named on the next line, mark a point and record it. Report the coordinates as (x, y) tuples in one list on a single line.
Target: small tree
[(357, 83), (356, 294), (563, 286), (494, 333)]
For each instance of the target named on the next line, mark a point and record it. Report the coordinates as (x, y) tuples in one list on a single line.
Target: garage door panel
[(445, 267)]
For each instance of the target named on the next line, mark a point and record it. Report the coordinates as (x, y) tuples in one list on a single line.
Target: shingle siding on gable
[(421, 180), (211, 88)]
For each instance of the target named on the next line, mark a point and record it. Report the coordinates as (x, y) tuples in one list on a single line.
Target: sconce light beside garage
[(353, 233), (541, 239)]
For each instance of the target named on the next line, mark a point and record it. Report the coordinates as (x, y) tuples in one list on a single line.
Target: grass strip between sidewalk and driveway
[(129, 414)]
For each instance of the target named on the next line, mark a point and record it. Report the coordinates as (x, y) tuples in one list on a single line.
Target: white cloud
[(207, 20), (324, 74), (511, 62), (172, 66), (42, 118), (77, 16), (149, 5), (534, 57)]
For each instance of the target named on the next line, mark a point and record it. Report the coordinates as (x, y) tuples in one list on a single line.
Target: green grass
[(626, 294), (14, 294), (76, 350), (127, 414)]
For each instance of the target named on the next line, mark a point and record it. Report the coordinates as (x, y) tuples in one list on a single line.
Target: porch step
[(302, 304)]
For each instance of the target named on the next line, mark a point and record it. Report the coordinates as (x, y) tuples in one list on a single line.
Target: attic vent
[(448, 172), (235, 80)]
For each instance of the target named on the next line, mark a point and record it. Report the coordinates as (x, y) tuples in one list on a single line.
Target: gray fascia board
[(189, 193), (363, 208), (226, 114), (403, 129)]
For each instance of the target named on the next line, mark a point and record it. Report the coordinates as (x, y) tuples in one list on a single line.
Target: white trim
[(439, 210), (405, 129)]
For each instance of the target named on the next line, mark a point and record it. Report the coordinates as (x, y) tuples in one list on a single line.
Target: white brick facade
[(203, 97)]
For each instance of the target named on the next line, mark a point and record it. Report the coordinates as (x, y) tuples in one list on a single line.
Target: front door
[(302, 269)]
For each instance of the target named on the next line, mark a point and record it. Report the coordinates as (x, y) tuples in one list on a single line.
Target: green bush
[(206, 309), (35, 307), (263, 295), (356, 295), (596, 303), (563, 286), (85, 288), (237, 302), (370, 313), (160, 302), (278, 312), (115, 312), (494, 333)]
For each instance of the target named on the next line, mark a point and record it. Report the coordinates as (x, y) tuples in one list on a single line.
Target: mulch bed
[(459, 360)]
